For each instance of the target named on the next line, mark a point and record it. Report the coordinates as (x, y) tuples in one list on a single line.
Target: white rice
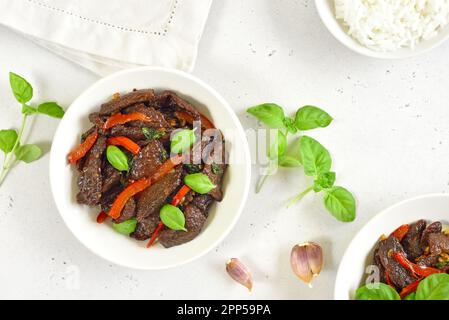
[(387, 25)]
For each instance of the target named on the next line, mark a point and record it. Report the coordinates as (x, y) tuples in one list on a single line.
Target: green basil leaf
[(377, 291), (51, 109), (117, 158), (434, 287), (152, 133), (126, 227), (310, 117), (172, 217), (411, 296), (22, 90), (292, 156), (269, 113), (277, 148), (324, 181), (182, 140), (7, 140), (199, 182), (289, 162), (28, 110), (28, 153), (289, 123), (315, 158), (340, 203)]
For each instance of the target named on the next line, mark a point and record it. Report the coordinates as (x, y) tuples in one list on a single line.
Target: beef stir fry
[(412, 253), (153, 164)]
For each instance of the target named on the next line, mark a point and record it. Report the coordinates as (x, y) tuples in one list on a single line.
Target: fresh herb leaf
[(216, 169), (182, 140), (28, 153), (117, 158), (315, 158), (195, 168), (324, 181), (270, 114), (7, 140), (377, 291), (434, 287), (411, 296), (127, 227), (289, 123), (28, 110), (22, 90), (340, 203), (172, 217), (199, 182), (277, 148), (310, 117), (51, 109), (152, 134), (292, 156)]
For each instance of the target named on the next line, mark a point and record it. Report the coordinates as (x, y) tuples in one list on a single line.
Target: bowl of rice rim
[(388, 29)]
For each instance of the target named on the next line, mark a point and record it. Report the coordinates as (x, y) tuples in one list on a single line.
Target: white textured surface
[(390, 141)]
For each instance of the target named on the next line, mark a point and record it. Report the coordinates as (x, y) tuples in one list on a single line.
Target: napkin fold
[(108, 35)]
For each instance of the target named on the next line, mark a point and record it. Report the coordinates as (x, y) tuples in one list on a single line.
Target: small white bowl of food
[(402, 253), (150, 168), (386, 29)]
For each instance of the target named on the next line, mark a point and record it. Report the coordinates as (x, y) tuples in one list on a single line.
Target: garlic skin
[(240, 273), (306, 260)]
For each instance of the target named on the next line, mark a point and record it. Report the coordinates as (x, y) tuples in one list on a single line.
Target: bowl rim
[(357, 47), (378, 216), (245, 148)]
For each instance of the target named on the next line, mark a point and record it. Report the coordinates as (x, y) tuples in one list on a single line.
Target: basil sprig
[(127, 227), (117, 158), (172, 217), (434, 287), (182, 140), (306, 152), (199, 182), (10, 140)]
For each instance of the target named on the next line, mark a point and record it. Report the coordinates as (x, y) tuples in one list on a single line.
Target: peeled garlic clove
[(307, 260), (240, 273)]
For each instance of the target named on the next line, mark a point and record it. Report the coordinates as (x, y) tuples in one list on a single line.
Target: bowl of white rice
[(388, 29)]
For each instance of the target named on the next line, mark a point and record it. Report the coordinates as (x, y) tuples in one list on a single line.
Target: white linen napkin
[(107, 35)]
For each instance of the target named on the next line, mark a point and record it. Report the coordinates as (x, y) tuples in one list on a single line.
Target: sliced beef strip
[(111, 177), (429, 261), (108, 198), (412, 240), (90, 181), (148, 160), (150, 202), (195, 219), (214, 157), (438, 243), (128, 212), (434, 227), (377, 262), (170, 101), (399, 276), (129, 99), (157, 118), (97, 120), (133, 133)]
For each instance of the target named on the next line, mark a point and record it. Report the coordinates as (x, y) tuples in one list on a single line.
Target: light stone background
[(389, 140)]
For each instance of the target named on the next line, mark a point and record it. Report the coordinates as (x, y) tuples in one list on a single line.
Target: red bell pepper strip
[(417, 270), (102, 216), (142, 184), (120, 118), (125, 142), (156, 232), (80, 151), (400, 232), (409, 289), (187, 117), (180, 195)]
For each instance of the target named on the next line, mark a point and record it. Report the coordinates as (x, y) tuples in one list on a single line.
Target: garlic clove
[(240, 273), (307, 261)]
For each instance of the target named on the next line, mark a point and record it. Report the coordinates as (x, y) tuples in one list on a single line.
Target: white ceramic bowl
[(327, 14), (102, 239), (351, 272)]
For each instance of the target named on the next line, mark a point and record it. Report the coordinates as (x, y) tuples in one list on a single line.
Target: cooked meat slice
[(145, 228), (202, 202), (133, 133), (195, 219), (438, 243), (128, 212), (435, 227), (429, 261), (399, 276), (108, 198), (152, 199), (215, 157), (96, 119), (90, 180), (111, 177), (377, 262), (157, 119), (129, 99), (412, 240), (148, 160), (171, 101), (215, 173)]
